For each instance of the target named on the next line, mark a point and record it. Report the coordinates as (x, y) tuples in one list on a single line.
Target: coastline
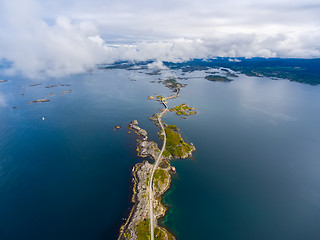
[(169, 206), (153, 180), (133, 199)]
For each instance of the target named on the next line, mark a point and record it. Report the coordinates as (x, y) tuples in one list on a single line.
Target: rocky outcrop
[(140, 211), (141, 176), (138, 224), (139, 131)]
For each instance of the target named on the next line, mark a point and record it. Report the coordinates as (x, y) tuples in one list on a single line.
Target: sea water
[(255, 174)]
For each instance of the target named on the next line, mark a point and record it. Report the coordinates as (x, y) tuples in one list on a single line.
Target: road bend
[(156, 164)]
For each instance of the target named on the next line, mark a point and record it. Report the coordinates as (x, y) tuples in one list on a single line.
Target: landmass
[(183, 110), (151, 181), (155, 72), (294, 69), (298, 70), (36, 84), (65, 92), (40, 100), (218, 78), (39, 84), (172, 84), (51, 86)]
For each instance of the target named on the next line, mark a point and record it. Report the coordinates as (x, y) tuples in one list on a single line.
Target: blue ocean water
[(69, 176), (255, 174)]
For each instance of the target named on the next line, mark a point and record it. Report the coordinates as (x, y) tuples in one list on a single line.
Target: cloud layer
[(55, 38)]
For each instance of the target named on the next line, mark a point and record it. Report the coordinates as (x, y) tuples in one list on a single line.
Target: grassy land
[(159, 97), (166, 153), (183, 110), (160, 175), (175, 144), (173, 127), (159, 178), (143, 230), (127, 235), (159, 234)]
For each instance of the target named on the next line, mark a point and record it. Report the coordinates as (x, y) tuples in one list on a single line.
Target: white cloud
[(55, 38), (37, 48), (156, 65)]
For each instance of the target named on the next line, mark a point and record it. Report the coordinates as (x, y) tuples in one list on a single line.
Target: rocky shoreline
[(140, 210), (152, 180), (139, 213)]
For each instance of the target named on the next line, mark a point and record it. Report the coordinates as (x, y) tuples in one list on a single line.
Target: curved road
[(156, 164)]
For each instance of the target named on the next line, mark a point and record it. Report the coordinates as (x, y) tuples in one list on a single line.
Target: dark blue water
[(69, 176), (255, 174)]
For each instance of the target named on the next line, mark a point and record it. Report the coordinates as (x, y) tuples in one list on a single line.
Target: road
[(156, 164)]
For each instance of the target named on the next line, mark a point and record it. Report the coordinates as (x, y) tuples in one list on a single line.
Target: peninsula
[(152, 180)]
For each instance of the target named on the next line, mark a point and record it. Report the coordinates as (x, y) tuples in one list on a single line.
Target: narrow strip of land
[(156, 164), (151, 180)]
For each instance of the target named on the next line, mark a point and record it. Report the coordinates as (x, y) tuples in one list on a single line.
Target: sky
[(55, 38)]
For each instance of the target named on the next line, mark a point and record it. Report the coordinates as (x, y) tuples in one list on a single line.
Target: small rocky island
[(152, 180), (40, 100), (183, 110), (218, 78)]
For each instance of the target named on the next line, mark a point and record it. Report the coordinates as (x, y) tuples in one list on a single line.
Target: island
[(65, 92), (40, 100), (218, 78), (35, 84), (152, 180), (183, 110), (51, 86)]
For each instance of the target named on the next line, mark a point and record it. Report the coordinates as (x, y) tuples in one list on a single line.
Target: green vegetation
[(143, 230), (165, 163), (194, 68), (173, 127), (159, 97), (127, 235), (183, 110), (166, 153), (173, 84), (295, 69), (292, 73), (296, 74), (147, 181), (160, 175), (175, 144), (217, 78), (159, 234)]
